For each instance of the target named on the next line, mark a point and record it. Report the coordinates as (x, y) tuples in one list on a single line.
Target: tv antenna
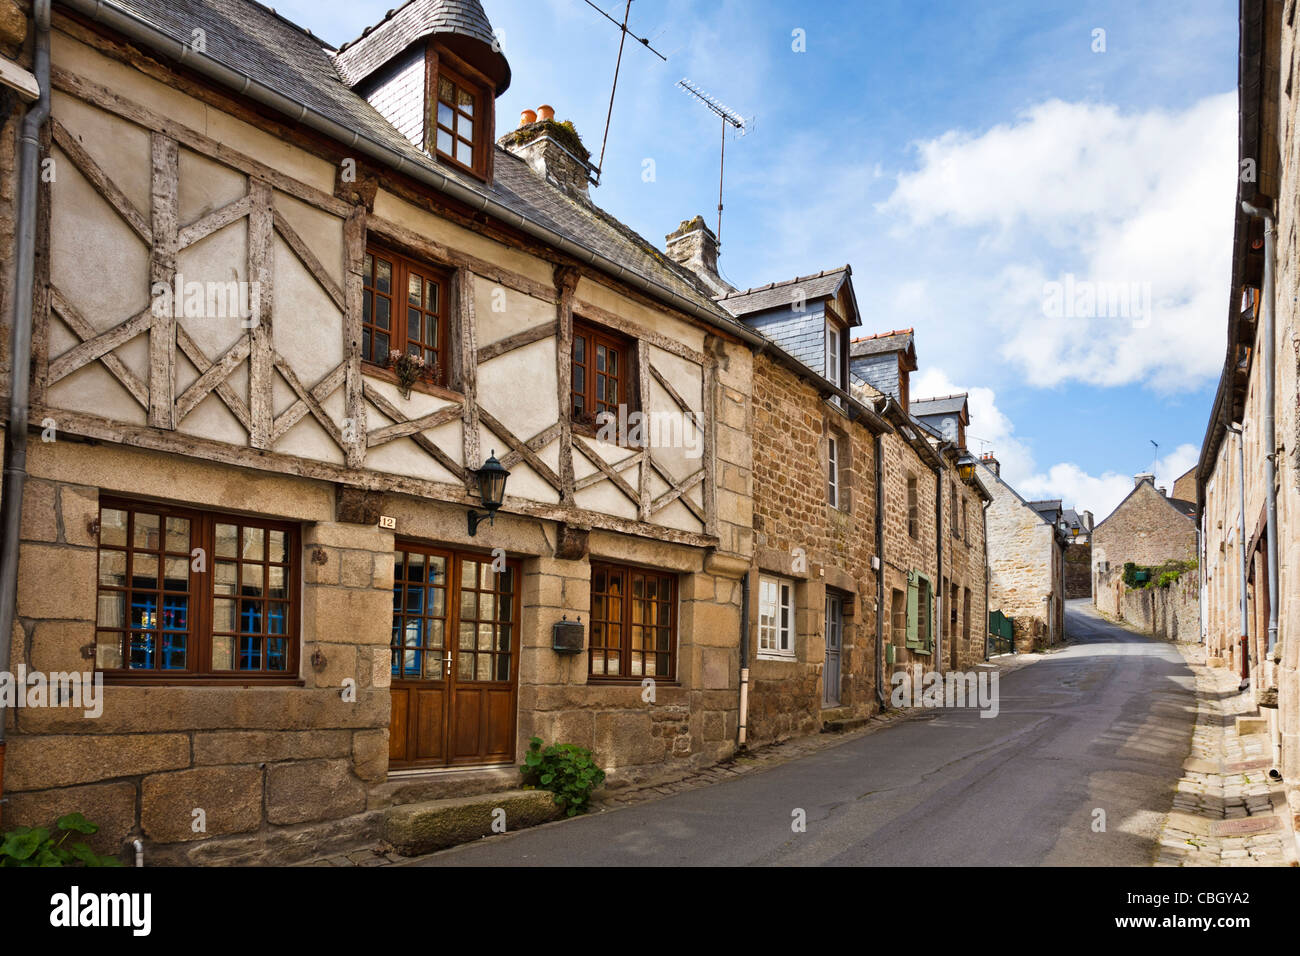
[(729, 118), (618, 65), (1156, 458)]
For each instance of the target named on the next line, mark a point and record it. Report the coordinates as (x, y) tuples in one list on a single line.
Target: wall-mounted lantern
[(492, 489), (966, 468)]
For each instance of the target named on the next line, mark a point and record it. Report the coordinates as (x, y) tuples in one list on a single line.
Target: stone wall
[(1172, 613), (212, 773), (964, 567), (799, 535), (1078, 570)]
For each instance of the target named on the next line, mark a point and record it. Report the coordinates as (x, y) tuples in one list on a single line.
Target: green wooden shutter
[(913, 605)]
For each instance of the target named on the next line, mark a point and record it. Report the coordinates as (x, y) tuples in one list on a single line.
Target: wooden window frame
[(783, 632), (593, 336), (200, 638), (920, 608), (440, 62), (403, 267), (626, 623), (833, 471)]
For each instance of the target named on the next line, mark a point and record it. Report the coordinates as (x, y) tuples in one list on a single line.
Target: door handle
[(448, 661)]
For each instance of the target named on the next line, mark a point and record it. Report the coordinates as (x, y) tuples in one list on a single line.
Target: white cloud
[(1138, 201), (991, 428)]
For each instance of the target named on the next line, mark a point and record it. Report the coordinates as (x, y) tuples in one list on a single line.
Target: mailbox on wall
[(567, 637)]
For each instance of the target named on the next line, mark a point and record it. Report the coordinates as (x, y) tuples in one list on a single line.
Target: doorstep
[(417, 828), (417, 787)]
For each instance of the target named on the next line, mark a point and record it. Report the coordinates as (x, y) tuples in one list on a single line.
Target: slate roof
[(415, 20), (1188, 508), (252, 40), (898, 340), (947, 405), (776, 295)]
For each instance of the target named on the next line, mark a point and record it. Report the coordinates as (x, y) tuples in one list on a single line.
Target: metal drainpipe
[(881, 697), (941, 600), (1239, 431), (1270, 424), (743, 730), (20, 347), (984, 520)]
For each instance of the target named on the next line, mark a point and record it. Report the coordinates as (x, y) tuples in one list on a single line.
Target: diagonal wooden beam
[(218, 219), (99, 345), (412, 426), (304, 395), (83, 330), (525, 452), (605, 470), (212, 377), (423, 441), (672, 392), (536, 444), (201, 362), (500, 347), (298, 410), (105, 186), (308, 259), (677, 491)]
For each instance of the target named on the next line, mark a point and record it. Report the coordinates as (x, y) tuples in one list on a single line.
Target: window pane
[(112, 528), (223, 614), (415, 290), (178, 534), (146, 532), (251, 580), (112, 609), (444, 142), (446, 90), (227, 540), (112, 568), (108, 650), (464, 152), (277, 587), (384, 276), (144, 570), (177, 574), (431, 290), (465, 101), (278, 546)]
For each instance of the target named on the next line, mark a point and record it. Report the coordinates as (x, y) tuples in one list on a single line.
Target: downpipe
[(20, 348), (743, 730), (881, 698), (1239, 431)]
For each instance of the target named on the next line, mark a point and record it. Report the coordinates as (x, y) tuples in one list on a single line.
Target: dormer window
[(458, 133)]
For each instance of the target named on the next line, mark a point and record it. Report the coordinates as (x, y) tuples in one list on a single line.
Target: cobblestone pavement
[(740, 765), (1227, 812)]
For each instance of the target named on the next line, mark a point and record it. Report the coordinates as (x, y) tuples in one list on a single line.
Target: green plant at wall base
[(37, 846), (566, 770)]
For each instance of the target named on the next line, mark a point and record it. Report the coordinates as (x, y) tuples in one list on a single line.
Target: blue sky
[(961, 156)]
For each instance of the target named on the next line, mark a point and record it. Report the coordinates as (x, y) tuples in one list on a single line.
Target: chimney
[(1087, 521), (991, 463), (694, 246), (554, 151), (1164, 492), (1138, 479)]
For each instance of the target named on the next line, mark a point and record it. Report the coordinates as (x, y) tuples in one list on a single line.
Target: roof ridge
[(941, 398), (375, 26), (883, 335), (305, 31), (785, 282)]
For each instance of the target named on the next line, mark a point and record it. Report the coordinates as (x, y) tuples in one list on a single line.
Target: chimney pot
[(527, 117), (553, 151), (545, 113)]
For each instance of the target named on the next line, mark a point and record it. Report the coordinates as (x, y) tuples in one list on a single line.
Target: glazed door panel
[(454, 659)]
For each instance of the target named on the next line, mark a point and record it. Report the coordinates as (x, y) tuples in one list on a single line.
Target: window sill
[(384, 373), (780, 658), (593, 432), (204, 680), (603, 681), (923, 651)]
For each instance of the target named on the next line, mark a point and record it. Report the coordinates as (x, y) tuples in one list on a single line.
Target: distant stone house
[(1026, 560), (1147, 528)]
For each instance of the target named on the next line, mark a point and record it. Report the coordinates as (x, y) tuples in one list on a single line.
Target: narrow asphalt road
[(1103, 725)]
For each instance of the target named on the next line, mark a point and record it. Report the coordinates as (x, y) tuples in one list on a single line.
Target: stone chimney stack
[(694, 246), (991, 463), (1087, 521), (1138, 479), (554, 151)]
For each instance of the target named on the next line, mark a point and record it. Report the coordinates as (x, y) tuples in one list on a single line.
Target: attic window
[(460, 117)]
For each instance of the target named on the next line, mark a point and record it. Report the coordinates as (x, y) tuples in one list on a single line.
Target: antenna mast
[(618, 65), (729, 118)]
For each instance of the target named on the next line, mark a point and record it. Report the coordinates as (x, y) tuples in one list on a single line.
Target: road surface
[(1104, 724)]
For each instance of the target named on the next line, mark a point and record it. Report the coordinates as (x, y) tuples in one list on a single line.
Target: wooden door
[(454, 658), (834, 643)]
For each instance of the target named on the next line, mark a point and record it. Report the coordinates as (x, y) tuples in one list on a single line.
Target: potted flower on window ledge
[(412, 368)]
